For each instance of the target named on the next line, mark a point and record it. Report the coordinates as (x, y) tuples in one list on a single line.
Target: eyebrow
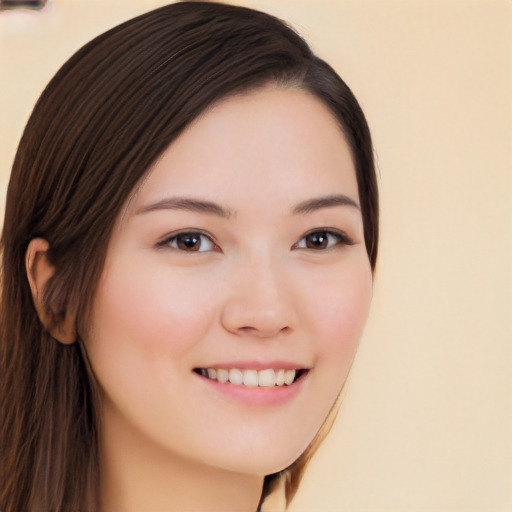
[(312, 205), (209, 207), (185, 203)]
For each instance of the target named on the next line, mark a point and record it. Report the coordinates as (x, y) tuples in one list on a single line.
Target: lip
[(258, 365), (257, 396)]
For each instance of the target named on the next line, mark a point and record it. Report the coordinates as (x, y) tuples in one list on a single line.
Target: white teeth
[(267, 378), (236, 377), (222, 376), (289, 376), (251, 378)]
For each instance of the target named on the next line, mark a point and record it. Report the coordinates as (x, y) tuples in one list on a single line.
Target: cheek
[(338, 313), (151, 310)]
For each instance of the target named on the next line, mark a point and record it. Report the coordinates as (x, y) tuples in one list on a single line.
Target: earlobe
[(39, 271)]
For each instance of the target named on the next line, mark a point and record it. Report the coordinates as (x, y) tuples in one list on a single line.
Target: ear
[(39, 270)]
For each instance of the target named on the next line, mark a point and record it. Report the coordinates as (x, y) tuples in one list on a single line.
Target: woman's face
[(241, 257)]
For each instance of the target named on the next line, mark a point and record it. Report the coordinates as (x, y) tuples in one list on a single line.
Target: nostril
[(263, 332), (248, 330), (252, 315)]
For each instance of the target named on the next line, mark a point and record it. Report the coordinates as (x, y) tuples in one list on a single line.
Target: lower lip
[(276, 395)]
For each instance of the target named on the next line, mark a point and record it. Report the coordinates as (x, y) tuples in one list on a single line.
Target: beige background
[(426, 423)]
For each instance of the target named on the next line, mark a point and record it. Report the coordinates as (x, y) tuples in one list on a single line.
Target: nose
[(259, 303)]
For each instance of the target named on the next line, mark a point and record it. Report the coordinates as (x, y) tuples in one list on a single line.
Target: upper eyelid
[(165, 239), (331, 231), (347, 240)]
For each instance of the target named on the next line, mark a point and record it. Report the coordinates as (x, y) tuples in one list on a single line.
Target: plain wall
[(426, 422)]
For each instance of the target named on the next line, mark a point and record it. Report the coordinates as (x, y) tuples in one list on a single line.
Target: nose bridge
[(259, 301)]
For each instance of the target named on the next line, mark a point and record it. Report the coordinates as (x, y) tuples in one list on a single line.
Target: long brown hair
[(101, 122)]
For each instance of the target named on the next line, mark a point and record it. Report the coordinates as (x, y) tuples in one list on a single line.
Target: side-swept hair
[(97, 128)]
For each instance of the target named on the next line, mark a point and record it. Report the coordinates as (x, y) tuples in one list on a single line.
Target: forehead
[(275, 142)]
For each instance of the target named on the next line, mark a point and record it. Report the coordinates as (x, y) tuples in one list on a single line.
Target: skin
[(258, 290)]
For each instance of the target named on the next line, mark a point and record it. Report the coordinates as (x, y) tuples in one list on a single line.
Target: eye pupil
[(188, 242), (317, 240)]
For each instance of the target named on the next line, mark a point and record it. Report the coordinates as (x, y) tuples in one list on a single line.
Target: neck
[(137, 475)]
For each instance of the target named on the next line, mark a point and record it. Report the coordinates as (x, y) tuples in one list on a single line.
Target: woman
[(187, 276)]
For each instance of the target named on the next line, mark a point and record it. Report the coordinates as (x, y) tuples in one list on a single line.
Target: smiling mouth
[(267, 378)]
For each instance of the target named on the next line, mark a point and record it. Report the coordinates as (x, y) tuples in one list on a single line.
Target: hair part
[(99, 125)]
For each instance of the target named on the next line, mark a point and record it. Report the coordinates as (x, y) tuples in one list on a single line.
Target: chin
[(261, 460)]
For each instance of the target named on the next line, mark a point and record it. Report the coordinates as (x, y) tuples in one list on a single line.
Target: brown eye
[(190, 242), (322, 239), (318, 240)]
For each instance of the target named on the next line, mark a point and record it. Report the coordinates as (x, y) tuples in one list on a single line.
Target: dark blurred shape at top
[(8, 5)]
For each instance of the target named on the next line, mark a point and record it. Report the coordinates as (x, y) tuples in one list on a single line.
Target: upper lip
[(258, 365)]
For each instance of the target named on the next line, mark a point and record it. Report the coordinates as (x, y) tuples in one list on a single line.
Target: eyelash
[(328, 234), (340, 237), (167, 242)]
